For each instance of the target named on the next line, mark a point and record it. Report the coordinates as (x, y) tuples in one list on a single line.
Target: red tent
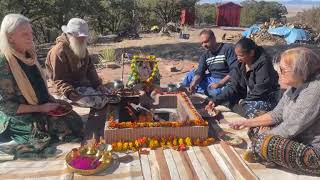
[(228, 14)]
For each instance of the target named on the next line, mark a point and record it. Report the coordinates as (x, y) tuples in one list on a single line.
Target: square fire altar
[(179, 119)]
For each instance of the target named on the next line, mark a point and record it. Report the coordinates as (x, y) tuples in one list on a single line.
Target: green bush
[(104, 16), (253, 11), (205, 13)]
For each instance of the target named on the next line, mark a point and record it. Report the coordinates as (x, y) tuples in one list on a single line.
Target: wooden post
[(122, 71)]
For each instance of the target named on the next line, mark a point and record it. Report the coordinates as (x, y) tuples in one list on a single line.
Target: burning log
[(142, 114)]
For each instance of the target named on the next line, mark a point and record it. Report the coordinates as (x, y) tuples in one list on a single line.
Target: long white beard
[(78, 49)]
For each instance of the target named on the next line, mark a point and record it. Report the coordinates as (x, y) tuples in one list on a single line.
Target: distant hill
[(297, 2)]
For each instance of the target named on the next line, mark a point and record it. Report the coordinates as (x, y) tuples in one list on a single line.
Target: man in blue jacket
[(219, 59)]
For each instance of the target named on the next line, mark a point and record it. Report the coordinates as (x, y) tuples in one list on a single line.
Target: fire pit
[(180, 119)]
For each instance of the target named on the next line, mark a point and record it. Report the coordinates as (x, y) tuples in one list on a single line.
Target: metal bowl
[(118, 84), (172, 87), (105, 163)]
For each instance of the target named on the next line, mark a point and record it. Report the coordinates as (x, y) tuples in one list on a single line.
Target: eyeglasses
[(283, 71)]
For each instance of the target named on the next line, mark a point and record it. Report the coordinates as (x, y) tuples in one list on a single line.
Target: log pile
[(263, 36)]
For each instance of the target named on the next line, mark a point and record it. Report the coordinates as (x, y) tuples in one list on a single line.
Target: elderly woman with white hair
[(24, 98), (294, 138)]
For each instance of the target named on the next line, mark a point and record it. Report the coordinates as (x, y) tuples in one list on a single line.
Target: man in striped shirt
[(219, 60)]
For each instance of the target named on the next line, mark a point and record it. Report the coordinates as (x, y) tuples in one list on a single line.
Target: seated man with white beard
[(72, 71)]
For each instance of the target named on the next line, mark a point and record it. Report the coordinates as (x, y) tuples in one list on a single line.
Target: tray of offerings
[(88, 161), (128, 92)]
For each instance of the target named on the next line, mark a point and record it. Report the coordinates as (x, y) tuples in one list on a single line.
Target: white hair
[(9, 24), (305, 62)]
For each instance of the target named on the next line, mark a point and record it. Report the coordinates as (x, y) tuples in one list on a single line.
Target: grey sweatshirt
[(297, 115)]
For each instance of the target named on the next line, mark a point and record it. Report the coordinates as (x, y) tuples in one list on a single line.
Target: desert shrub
[(107, 55), (310, 17)]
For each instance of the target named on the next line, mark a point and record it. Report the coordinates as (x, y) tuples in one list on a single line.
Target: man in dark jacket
[(254, 83), (219, 60)]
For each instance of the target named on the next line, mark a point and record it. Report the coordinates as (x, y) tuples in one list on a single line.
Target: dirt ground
[(170, 51), (173, 52)]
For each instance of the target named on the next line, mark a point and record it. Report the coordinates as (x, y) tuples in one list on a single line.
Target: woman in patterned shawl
[(294, 138), (24, 97)]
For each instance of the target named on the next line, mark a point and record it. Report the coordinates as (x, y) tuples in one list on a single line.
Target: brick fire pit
[(175, 107)]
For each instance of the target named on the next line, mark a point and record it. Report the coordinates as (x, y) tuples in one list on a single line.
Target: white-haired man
[(72, 71)]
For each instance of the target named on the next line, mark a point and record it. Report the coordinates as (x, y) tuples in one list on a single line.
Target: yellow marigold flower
[(175, 142), (119, 146), (131, 145), (125, 146), (136, 143), (156, 143), (188, 141), (181, 141)]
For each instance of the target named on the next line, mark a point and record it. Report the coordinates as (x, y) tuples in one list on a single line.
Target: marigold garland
[(180, 144), (122, 125), (134, 70)]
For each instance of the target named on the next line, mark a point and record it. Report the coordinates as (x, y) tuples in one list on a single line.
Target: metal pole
[(122, 60)]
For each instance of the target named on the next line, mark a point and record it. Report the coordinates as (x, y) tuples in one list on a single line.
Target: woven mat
[(218, 161)]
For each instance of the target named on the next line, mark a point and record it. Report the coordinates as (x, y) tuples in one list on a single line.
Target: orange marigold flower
[(197, 142), (112, 124), (211, 140), (114, 146)]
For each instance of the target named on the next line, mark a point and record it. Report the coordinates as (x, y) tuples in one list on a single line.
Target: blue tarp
[(297, 35), (250, 30), (280, 31), (291, 35)]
